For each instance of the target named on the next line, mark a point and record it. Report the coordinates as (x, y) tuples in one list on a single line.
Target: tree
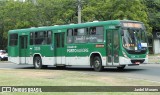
[(132, 10), (33, 13), (16, 15), (2, 26), (56, 11), (153, 13), (116, 9)]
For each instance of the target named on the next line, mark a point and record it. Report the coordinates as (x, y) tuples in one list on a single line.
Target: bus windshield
[(134, 39)]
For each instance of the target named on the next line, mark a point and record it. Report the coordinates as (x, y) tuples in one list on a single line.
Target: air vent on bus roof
[(41, 27), (96, 21), (33, 27)]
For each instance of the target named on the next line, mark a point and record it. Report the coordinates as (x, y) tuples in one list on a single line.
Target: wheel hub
[(37, 63), (97, 63)]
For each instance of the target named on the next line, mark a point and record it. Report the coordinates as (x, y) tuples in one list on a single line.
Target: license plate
[(137, 62)]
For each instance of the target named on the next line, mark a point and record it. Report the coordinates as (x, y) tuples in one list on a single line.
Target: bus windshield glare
[(134, 39)]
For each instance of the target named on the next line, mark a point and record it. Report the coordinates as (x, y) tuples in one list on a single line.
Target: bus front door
[(23, 49), (59, 48), (113, 47)]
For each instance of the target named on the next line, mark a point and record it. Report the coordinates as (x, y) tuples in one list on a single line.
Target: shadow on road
[(107, 69), (77, 68)]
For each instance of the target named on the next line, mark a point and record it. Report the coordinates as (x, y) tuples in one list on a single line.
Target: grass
[(31, 77), (154, 58), (154, 54)]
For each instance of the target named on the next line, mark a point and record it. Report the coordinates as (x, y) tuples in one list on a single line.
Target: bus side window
[(70, 36), (39, 36), (80, 35), (100, 34), (49, 37), (92, 35), (36, 38), (13, 39), (44, 37), (93, 31), (31, 38), (75, 32), (96, 34)]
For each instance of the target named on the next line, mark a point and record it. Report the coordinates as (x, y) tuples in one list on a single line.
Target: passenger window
[(41, 38), (70, 36), (96, 34), (13, 39), (84, 35), (31, 38), (49, 37), (80, 35), (93, 31)]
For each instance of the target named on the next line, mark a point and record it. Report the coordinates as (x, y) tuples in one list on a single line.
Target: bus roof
[(87, 24)]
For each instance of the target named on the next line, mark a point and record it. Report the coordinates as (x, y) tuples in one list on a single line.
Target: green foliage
[(116, 9), (18, 15), (33, 13), (153, 13)]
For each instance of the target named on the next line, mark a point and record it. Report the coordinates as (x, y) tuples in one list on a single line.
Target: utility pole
[(79, 11)]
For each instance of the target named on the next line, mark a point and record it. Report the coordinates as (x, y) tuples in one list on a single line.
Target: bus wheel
[(121, 67), (37, 62), (97, 64)]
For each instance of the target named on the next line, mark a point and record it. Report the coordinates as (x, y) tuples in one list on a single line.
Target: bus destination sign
[(132, 25)]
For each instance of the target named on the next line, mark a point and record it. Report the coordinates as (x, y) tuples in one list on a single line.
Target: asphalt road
[(149, 72)]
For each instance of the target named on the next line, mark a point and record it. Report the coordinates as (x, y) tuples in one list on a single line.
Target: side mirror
[(118, 26)]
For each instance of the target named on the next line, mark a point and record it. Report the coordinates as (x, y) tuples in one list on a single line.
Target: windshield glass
[(134, 39)]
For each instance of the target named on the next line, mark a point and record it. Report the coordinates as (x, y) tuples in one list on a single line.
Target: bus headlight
[(125, 55)]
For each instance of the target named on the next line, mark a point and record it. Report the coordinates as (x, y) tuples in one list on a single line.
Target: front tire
[(97, 64), (38, 63)]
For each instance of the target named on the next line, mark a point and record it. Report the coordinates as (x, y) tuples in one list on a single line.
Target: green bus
[(99, 44)]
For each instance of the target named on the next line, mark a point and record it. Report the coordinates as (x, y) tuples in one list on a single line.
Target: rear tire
[(97, 64), (38, 63)]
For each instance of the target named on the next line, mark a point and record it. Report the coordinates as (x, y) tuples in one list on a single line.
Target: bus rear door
[(112, 47), (59, 50), (23, 49)]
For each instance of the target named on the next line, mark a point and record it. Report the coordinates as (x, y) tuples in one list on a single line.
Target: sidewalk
[(154, 59)]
